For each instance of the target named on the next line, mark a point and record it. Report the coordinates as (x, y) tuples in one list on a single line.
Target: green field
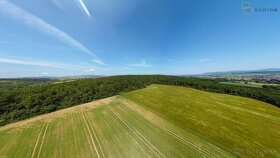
[(158, 121)]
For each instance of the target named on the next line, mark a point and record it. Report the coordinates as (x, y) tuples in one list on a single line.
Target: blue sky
[(111, 37)]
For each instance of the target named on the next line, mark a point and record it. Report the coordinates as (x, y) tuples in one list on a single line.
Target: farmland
[(157, 121), (237, 124)]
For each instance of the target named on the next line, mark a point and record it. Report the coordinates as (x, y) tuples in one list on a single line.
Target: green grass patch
[(241, 125)]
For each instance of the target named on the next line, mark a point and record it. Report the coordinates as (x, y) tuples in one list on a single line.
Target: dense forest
[(20, 103)]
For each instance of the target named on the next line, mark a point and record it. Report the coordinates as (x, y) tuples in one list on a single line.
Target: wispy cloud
[(58, 4), (44, 73), (41, 63), (34, 22), (98, 61), (84, 7), (204, 60), (25, 41), (90, 70), (141, 64)]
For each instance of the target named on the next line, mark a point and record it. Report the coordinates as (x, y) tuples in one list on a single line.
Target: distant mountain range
[(61, 77), (260, 74), (81, 76), (261, 71)]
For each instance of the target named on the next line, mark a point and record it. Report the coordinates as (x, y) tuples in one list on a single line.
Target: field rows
[(115, 129)]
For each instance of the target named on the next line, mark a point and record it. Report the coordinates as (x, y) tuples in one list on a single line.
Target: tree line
[(25, 102)]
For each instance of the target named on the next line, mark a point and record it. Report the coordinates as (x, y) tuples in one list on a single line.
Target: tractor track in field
[(74, 132), (43, 139), (139, 135), (111, 117), (206, 153), (37, 141), (185, 141), (88, 129), (94, 134)]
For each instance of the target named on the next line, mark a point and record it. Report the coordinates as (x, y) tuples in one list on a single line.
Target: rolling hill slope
[(240, 125), (157, 121)]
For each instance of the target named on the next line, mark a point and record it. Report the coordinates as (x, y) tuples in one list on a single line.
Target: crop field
[(158, 121), (243, 126)]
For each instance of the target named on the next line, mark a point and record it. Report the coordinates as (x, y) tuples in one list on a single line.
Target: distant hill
[(81, 76), (269, 70), (260, 74)]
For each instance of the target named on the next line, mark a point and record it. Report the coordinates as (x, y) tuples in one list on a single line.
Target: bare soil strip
[(133, 106), (92, 141), (37, 141), (94, 134), (43, 139), (139, 135)]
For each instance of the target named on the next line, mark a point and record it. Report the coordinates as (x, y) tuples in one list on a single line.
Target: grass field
[(158, 121), (237, 124)]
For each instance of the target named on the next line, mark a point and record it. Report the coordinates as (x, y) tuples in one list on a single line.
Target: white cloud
[(141, 64), (90, 70), (34, 22), (44, 73), (41, 63), (204, 60), (98, 61), (84, 7)]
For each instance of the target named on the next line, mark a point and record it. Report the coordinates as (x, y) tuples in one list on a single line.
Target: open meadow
[(157, 121)]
